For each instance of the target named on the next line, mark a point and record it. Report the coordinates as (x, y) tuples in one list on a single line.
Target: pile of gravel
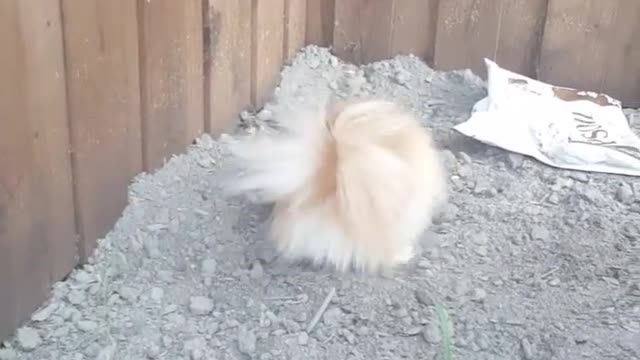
[(530, 262)]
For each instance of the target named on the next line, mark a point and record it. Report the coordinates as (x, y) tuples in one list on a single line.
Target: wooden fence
[(93, 92)]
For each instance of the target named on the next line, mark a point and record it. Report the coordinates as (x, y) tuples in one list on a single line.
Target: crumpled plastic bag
[(561, 127)]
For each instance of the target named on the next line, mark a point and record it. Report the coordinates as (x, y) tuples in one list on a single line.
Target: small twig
[(281, 298), (548, 273), (321, 310)]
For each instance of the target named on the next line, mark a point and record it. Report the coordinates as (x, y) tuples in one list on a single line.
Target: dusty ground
[(530, 262)]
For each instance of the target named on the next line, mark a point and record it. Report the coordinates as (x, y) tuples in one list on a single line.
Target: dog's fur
[(354, 185)]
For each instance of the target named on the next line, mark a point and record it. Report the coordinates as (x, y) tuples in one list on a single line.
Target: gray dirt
[(530, 262)]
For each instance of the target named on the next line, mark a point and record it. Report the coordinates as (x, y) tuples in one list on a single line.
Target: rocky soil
[(530, 262)]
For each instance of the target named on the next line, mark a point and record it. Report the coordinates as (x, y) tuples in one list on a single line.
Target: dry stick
[(321, 311)]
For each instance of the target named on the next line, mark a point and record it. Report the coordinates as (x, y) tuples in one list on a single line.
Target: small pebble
[(413, 330), (303, 338), (538, 232), (157, 294), (554, 282), (527, 349), (479, 295), (465, 171), (61, 332), (165, 276), (8, 354), (200, 305), (87, 325), (480, 238), (246, 341), (128, 293), (256, 271), (153, 351), (167, 341), (402, 77), (313, 63), (448, 158), (291, 326), (83, 277), (484, 188), (44, 313), (76, 297), (460, 287), (400, 312), (424, 264), (482, 341), (265, 115), (423, 297), (208, 267), (348, 335), (481, 250), (301, 317), (579, 176), (92, 350), (332, 316), (431, 333), (515, 161), (194, 348), (465, 157), (580, 339), (624, 194), (28, 338), (363, 331)]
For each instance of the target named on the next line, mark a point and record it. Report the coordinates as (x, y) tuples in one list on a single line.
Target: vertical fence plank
[(37, 230), (363, 30), (171, 73), (506, 31), (267, 40), (414, 28), (593, 45), (295, 22), (320, 22), (467, 32), (520, 35), (229, 65), (101, 46)]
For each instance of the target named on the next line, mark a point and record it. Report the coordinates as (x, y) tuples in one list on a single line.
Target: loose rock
[(209, 267), (76, 297), (200, 305), (28, 338), (332, 316), (256, 270), (479, 295), (624, 194), (44, 313), (527, 349), (8, 354), (515, 161), (538, 232), (87, 325), (246, 341), (431, 333), (303, 338)]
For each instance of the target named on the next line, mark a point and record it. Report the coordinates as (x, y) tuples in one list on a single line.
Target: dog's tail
[(341, 150), (274, 164)]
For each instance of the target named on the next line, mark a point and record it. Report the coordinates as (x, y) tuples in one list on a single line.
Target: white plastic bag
[(560, 127)]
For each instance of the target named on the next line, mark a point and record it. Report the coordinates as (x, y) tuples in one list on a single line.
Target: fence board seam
[(73, 161), (142, 77)]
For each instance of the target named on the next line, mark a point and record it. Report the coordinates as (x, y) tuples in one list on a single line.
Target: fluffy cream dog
[(353, 185)]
